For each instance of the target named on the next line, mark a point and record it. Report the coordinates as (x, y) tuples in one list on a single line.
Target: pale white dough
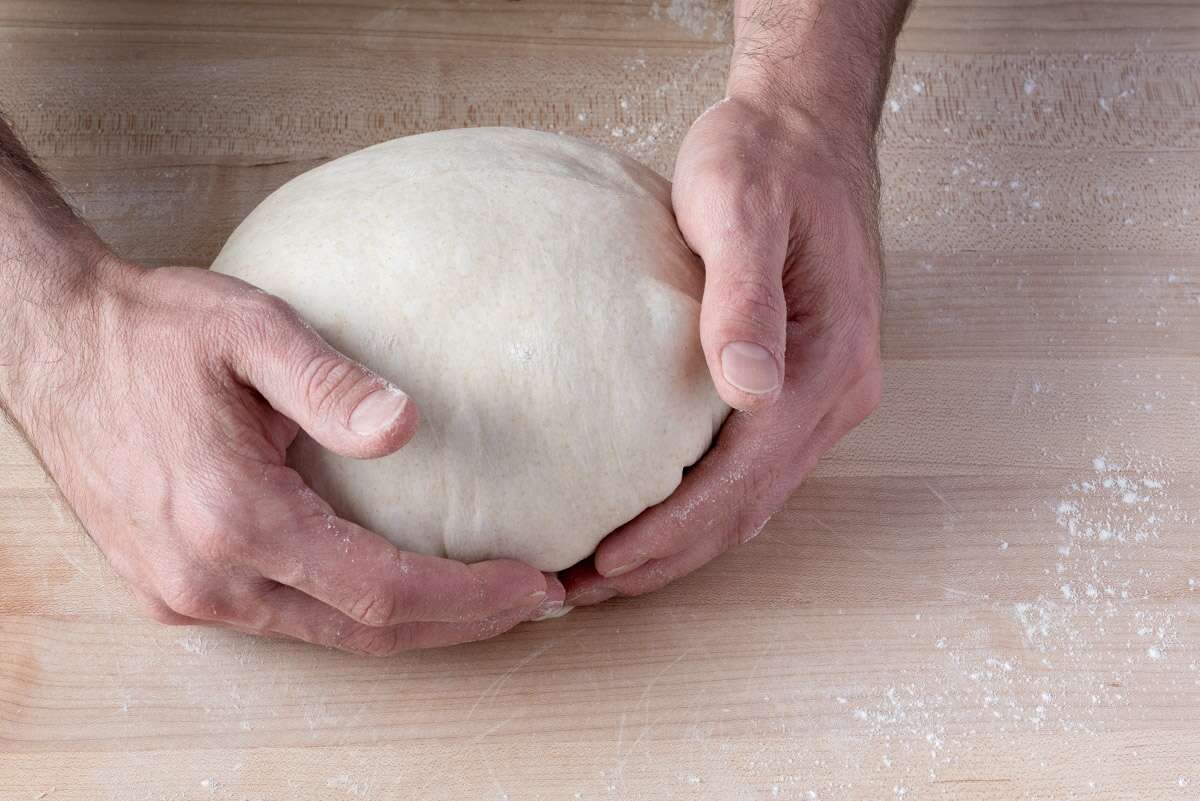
[(534, 297)]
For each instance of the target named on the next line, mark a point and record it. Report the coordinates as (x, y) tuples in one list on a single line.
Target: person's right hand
[(166, 417)]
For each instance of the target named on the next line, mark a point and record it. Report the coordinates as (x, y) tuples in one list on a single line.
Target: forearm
[(830, 58), (47, 261)]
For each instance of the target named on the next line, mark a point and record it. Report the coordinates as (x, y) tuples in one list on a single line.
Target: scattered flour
[(699, 17), (1086, 642), (194, 643), (521, 353)]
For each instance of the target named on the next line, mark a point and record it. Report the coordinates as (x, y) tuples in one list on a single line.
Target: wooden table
[(989, 591)]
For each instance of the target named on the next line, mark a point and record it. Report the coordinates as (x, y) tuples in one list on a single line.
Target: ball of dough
[(533, 295)]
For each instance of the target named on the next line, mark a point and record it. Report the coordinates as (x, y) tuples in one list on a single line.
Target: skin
[(776, 188), (163, 401)]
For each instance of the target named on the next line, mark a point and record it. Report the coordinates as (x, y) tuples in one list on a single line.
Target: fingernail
[(377, 411), (754, 532), (593, 595), (534, 598), (749, 367), (625, 568), (548, 609)]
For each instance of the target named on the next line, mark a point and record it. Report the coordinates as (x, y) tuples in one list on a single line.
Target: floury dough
[(534, 297)]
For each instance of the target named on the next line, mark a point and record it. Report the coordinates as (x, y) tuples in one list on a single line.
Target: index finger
[(757, 461), (370, 580), (665, 552), (727, 495), (290, 613)]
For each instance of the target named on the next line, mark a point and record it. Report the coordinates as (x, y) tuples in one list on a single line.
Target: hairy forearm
[(47, 260), (827, 57)]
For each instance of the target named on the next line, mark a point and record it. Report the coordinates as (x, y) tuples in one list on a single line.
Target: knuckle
[(376, 606), (864, 358), (752, 216), (236, 544), (750, 300), (218, 545), (859, 365), (248, 317), (253, 314), (292, 571), (253, 609), (732, 192), (373, 641), (161, 613), (754, 290), (259, 620), (264, 308), (728, 179), (869, 394), (191, 597), (858, 352)]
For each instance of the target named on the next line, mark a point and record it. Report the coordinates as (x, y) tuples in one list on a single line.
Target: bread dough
[(532, 294)]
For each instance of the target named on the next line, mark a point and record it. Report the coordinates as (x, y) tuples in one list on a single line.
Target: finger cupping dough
[(533, 295)]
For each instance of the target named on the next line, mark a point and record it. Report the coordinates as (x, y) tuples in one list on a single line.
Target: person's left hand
[(783, 210)]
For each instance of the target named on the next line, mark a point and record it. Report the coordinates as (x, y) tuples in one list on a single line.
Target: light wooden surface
[(989, 591)]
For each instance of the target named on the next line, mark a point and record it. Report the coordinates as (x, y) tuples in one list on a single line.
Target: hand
[(783, 213), (166, 424)]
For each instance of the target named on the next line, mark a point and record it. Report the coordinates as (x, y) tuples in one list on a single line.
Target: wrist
[(830, 59), (804, 145), (52, 300), (54, 273), (845, 128)]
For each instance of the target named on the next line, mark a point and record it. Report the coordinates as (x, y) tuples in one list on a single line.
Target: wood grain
[(987, 591)]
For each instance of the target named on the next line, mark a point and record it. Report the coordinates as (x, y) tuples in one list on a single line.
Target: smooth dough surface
[(534, 297)]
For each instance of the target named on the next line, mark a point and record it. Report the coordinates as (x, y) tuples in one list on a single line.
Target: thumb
[(341, 404), (743, 322)]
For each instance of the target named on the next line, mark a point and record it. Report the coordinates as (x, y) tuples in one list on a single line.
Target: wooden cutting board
[(989, 591)]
